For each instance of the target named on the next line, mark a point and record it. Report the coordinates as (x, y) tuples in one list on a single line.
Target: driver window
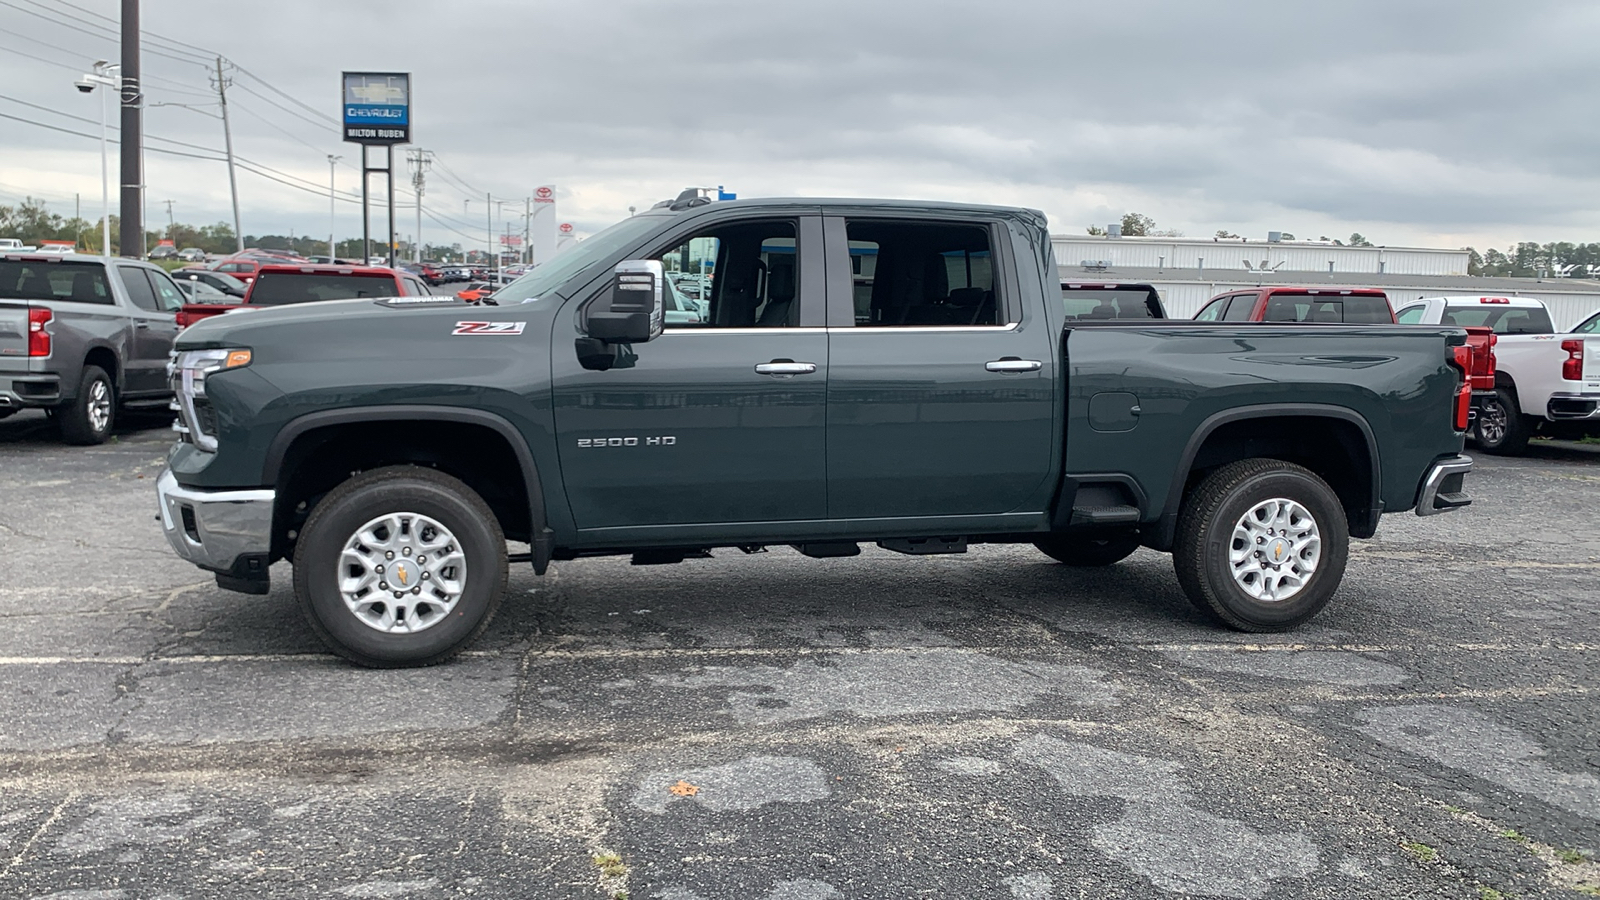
[(743, 275), (1213, 310)]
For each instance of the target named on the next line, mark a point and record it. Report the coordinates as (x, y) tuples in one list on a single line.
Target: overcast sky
[(1415, 123)]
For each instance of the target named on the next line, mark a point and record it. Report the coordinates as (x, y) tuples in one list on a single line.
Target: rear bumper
[(29, 391), (1573, 407), (1443, 487), (228, 532)]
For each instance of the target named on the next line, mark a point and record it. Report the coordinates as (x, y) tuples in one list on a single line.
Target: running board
[(1105, 515)]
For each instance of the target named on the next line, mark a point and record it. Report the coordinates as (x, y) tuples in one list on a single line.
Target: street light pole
[(333, 162), (101, 78)]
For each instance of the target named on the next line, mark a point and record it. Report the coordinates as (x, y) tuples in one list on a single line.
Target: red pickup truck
[(1349, 306), (280, 285)]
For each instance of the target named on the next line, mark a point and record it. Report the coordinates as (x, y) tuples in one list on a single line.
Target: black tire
[(89, 418), (1501, 429), (358, 501), (1205, 540), (1075, 550)]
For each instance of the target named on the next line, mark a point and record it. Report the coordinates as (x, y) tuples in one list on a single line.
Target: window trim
[(1009, 309), (809, 247)]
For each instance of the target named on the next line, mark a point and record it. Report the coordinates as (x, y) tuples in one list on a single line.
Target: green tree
[(1358, 240)]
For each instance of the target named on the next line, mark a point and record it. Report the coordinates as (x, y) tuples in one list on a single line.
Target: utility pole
[(333, 162), (488, 218), (527, 216), (132, 209), (170, 225), (227, 138), (421, 159)]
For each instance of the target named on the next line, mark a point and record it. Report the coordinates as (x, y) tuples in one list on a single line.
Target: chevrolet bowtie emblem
[(400, 574)]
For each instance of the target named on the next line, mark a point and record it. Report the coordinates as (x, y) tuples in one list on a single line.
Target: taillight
[(1462, 360), (38, 338), (1572, 369)]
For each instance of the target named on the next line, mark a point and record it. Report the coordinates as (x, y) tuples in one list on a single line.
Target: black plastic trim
[(538, 521)]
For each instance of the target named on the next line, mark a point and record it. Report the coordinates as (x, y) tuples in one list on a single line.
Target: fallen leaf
[(683, 789)]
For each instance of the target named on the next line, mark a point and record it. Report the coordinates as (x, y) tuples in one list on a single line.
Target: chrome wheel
[(1492, 423), (402, 573), (1275, 549), (99, 406)]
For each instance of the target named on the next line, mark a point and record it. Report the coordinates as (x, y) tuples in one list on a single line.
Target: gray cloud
[(1414, 122)]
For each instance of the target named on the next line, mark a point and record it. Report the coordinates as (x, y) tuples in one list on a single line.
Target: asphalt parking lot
[(773, 727)]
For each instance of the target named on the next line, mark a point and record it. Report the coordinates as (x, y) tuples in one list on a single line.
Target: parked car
[(84, 338), (1087, 301), (14, 245), (680, 310), (162, 251), (1326, 305), (198, 291), (1590, 325), (192, 254), (242, 268), (477, 291), (222, 281), (391, 449), (1545, 383), (283, 285)]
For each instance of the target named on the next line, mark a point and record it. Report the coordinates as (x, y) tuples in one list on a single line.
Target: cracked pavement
[(992, 725)]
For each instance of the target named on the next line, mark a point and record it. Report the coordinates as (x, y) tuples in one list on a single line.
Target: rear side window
[(1099, 303), (283, 288), (1332, 310), (61, 282), (139, 290), (922, 273), (1411, 315)]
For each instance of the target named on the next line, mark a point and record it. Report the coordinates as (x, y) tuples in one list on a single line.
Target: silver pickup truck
[(82, 337)]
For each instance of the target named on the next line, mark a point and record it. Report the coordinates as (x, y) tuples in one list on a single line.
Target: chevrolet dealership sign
[(377, 107)]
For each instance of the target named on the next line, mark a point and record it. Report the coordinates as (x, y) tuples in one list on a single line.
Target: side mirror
[(631, 311)]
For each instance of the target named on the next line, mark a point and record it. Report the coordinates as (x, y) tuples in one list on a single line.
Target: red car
[(1327, 305), (280, 285)]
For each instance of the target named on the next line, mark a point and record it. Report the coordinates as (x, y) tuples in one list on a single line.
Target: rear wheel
[(400, 566), (88, 419), (1261, 545), (1501, 428), (1074, 550)]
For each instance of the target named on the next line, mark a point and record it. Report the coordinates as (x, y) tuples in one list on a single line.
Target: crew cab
[(1545, 383), (1324, 305), (83, 337), (391, 447), (282, 285)]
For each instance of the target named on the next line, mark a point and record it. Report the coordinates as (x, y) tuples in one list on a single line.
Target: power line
[(268, 100), (292, 99), (114, 37)]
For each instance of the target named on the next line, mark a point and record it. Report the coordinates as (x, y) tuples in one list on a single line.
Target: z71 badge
[(489, 327)]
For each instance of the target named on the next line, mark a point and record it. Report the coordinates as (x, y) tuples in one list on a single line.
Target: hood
[(242, 326)]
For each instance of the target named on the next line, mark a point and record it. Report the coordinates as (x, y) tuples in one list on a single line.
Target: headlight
[(187, 373)]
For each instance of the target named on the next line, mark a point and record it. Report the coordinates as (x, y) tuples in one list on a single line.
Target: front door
[(716, 421), (941, 397)]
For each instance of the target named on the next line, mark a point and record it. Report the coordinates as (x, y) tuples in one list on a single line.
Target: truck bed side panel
[(1398, 381)]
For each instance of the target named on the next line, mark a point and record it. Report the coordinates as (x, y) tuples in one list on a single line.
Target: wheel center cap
[(1278, 551), (403, 574)]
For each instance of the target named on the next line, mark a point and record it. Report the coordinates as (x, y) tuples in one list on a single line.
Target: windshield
[(551, 275), (280, 288)]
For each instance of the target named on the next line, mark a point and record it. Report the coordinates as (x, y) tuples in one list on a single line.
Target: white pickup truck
[(13, 245), (1545, 383)]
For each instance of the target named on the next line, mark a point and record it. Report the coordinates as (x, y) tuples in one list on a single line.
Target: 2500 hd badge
[(662, 441)]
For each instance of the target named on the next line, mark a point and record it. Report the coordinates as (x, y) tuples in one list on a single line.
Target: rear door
[(941, 392), (156, 301)]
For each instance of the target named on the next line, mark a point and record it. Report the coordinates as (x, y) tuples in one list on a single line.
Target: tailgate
[(191, 313), (13, 335), (1591, 364)]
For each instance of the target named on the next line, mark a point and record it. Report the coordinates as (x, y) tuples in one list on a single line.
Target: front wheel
[(1261, 545), (1501, 428), (1074, 550), (400, 566)]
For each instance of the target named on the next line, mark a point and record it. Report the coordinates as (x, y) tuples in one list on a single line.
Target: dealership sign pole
[(377, 111)]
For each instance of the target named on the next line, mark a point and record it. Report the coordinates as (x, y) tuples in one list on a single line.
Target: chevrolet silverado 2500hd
[(900, 373)]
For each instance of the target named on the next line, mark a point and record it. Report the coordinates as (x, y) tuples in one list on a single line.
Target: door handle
[(785, 368), (1013, 364), (141, 324)]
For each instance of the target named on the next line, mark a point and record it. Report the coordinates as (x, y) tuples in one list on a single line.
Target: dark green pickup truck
[(893, 372)]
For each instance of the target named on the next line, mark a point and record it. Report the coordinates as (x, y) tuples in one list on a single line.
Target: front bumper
[(227, 532), (1443, 488)]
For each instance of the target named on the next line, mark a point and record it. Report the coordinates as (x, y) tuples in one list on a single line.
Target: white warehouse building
[(1187, 272)]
